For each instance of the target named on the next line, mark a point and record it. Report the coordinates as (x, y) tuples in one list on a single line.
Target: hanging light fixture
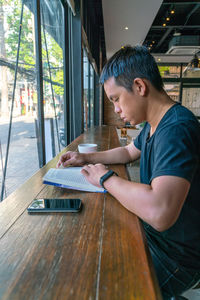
[(195, 62), (193, 65)]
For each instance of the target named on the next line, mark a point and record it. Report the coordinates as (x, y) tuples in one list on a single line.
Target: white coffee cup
[(85, 148)]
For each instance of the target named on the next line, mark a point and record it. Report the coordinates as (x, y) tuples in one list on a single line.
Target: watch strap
[(106, 176)]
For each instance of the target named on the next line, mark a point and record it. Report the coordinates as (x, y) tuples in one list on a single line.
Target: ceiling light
[(167, 19), (126, 28), (159, 59), (172, 11), (153, 42), (164, 24)]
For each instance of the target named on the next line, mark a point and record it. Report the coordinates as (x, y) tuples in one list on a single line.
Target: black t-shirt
[(174, 149)]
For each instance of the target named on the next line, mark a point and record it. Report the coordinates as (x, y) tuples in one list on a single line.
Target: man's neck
[(159, 104)]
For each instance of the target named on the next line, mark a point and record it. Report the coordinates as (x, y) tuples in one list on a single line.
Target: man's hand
[(93, 173), (72, 158)]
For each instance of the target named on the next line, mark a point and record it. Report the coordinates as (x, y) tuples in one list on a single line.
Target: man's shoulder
[(179, 118), (180, 113)]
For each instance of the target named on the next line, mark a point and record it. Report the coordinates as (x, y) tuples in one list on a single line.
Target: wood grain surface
[(99, 253)]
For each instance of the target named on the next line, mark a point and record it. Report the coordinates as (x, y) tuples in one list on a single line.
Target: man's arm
[(120, 155), (158, 204)]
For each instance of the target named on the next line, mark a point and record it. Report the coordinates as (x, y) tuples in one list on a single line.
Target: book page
[(70, 177)]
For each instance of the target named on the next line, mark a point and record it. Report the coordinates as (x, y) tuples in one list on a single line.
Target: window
[(91, 95), (191, 99), (185, 88), (172, 89), (191, 72), (22, 147), (45, 99), (19, 154), (52, 32), (88, 92), (170, 71)]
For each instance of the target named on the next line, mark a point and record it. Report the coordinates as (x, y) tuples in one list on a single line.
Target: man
[(167, 199)]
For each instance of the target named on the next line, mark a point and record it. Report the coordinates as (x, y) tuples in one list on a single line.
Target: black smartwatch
[(106, 176)]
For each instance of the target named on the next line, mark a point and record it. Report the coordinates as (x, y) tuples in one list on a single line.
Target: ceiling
[(145, 20), (180, 30), (137, 15)]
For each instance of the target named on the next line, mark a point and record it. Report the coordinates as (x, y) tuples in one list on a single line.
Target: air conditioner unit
[(184, 40), (183, 50)]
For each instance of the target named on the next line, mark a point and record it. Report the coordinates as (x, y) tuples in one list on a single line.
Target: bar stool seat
[(196, 286), (193, 293)]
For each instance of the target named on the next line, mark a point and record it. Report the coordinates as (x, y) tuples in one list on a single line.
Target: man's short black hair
[(129, 63)]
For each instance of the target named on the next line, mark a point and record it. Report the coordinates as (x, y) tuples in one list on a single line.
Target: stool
[(193, 293), (196, 286)]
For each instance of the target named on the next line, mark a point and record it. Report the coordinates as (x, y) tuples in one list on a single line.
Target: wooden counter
[(99, 253)]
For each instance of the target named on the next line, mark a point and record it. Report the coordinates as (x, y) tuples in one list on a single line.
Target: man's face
[(128, 105)]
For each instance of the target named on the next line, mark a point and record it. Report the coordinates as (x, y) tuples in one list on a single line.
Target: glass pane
[(191, 72), (191, 99), (52, 19), (85, 90), (170, 71), (91, 95), (172, 90), (23, 155)]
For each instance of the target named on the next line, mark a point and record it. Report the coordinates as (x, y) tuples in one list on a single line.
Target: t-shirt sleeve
[(175, 153)]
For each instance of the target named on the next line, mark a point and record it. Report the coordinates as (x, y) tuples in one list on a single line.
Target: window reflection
[(52, 19), (91, 95), (85, 90), (88, 92)]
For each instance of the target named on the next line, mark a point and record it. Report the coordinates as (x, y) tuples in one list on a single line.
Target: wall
[(110, 117)]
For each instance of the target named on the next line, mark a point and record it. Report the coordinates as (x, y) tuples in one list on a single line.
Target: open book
[(70, 178)]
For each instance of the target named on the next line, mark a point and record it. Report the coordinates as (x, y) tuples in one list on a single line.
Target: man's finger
[(85, 167), (58, 164), (68, 162), (85, 172)]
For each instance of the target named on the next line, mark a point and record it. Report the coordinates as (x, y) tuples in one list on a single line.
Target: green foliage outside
[(55, 55), (163, 70), (27, 52)]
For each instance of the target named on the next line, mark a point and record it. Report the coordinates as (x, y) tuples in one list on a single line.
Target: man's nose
[(117, 109)]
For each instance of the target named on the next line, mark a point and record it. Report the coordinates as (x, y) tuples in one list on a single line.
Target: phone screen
[(55, 205)]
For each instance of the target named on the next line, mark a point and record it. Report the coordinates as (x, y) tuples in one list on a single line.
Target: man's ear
[(140, 86)]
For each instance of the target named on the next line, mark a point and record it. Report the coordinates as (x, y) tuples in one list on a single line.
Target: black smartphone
[(54, 205)]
